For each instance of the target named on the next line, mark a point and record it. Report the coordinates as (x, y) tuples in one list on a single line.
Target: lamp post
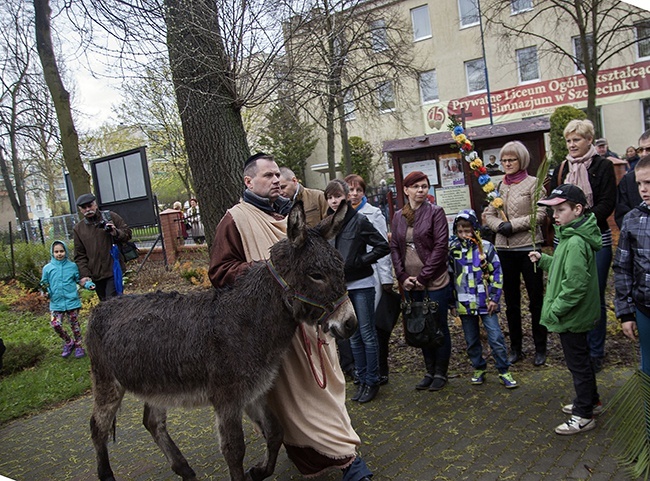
[(487, 79)]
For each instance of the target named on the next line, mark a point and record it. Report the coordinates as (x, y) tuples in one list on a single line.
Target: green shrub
[(559, 119), (22, 355), (29, 260)]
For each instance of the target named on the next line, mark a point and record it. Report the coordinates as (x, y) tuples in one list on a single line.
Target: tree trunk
[(345, 144), (61, 98), (331, 160), (215, 138)]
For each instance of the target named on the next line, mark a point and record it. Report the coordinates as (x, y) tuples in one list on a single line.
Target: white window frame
[(378, 35), (646, 42), (519, 53), (470, 22), (421, 13), (515, 11), (471, 64), (384, 101), (576, 45), (429, 78)]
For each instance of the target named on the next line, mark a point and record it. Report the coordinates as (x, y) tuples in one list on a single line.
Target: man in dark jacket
[(628, 193), (93, 238)]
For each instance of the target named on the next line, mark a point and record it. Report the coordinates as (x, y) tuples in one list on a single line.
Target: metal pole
[(487, 79)]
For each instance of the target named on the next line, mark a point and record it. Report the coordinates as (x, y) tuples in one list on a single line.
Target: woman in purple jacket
[(419, 249)]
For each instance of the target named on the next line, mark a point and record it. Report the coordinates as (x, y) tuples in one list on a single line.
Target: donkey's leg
[(108, 396), (260, 413), (155, 420), (231, 436)]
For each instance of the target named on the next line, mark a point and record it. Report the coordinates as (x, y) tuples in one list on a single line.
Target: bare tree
[(61, 98), (603, 30), (343, 55)]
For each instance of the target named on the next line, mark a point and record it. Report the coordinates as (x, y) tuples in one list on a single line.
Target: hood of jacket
[(65, 247), (586, 227)]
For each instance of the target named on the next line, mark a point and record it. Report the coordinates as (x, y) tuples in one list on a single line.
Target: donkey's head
[(313, 272)]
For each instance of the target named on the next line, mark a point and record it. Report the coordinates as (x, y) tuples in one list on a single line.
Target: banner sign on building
[(628, 82)]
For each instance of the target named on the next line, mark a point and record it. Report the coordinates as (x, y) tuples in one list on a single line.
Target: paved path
[(464, 432)]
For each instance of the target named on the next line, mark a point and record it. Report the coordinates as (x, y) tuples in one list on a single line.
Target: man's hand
[(111, 229), (629, 329), (492, 307)]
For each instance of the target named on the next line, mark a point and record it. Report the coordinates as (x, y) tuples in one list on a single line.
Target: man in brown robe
[(318, 433)]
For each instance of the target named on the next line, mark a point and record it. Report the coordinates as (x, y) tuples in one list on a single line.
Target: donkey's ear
[(331, 226), (296, 225)]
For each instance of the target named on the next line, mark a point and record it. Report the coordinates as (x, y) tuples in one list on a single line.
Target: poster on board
[(429, 167), (492, 163), (454, 199), (451, 170)]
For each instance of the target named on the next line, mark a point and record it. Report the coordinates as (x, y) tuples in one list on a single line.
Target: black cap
[(565, 192), (85, 199), (254, 157)]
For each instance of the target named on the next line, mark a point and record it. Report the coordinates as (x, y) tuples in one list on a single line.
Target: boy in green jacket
[(572, 302)]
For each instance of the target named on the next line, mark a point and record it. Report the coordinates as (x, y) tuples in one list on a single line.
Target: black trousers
[(514, 265), (576, 355), (105, 289)]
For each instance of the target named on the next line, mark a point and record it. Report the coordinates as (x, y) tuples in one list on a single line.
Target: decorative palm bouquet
[(540, 191)]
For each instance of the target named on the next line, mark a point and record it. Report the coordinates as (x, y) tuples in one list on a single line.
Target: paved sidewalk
[(464, 432)]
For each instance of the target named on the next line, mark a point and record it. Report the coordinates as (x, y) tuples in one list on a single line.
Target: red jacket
[(431, 239)]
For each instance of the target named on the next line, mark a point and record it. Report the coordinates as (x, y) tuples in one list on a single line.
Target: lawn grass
[(52, 379)]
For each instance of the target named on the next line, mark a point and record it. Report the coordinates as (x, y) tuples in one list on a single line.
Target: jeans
[(356, 471), (576, 355), (596, 336), (436, 359), (365, 348), (514, 265), (495, 339), (643, 327)]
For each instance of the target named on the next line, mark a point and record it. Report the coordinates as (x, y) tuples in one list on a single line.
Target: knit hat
[(470, 216), (415, 176)]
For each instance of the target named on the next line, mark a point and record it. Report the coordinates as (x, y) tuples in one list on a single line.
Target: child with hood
[(476, 273), (572, 301), (60, 278)]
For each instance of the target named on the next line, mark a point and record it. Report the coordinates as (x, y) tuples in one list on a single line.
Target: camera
[(102, 225)]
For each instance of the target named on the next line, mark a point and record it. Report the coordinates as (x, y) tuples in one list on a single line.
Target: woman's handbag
[(129, 250), (421, 320)]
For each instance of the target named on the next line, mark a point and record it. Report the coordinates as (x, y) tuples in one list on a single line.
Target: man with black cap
[(314, 441), (93, 239)]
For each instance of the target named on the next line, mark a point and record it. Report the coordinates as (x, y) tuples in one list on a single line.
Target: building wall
[(450, 46)]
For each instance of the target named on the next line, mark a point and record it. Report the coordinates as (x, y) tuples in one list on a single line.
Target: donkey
[(221, 348)]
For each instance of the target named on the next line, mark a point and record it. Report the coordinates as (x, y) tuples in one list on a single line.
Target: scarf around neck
[(516, 177), (281, 206), (360, 205), (578, 174)]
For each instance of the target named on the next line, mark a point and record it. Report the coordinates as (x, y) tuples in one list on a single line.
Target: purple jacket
[(431, 239)]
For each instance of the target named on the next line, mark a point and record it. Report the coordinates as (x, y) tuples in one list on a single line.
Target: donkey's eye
[(316, 276)]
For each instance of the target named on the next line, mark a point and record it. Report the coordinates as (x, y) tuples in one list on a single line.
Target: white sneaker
[(576, 425), (598, 409)]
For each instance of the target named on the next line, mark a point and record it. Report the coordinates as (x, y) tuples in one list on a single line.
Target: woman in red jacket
[(419, 249)]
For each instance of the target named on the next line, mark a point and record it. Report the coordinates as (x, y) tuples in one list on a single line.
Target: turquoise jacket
[(60, 278), (572, 299)]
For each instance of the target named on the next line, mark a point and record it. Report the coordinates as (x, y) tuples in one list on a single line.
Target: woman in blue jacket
[(60, 278)]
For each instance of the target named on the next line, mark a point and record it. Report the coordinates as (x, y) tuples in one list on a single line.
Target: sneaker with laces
[(478, 377), (507, 380), (67, 349), (575, 425), (79, 352), (598, 409)]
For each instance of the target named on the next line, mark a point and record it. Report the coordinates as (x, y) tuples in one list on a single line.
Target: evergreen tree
[(559, 119)]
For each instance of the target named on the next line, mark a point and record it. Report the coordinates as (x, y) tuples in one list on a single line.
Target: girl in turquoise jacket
[(60, 278)]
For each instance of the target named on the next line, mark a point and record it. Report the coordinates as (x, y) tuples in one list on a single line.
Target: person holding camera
[(93, 239)]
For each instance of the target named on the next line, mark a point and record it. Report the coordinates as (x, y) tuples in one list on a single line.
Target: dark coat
[(628, 197)]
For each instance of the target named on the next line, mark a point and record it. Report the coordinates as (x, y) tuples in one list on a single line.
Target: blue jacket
[(60, 278)]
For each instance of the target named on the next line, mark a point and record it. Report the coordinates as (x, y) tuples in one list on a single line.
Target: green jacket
[(572, 299)]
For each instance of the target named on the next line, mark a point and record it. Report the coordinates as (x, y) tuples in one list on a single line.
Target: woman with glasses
[(595, 176), (419, 249), (513, 241), (628, 193)]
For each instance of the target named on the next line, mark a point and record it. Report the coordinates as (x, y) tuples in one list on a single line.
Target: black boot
[(515, 355)]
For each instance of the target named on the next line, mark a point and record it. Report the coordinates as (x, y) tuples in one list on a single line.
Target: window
[(468, 10), (527, 64), (577, 51), (475, 71), (645, 105), (519, 6), (378, 35), (643, 39), (429, 86), (349, 106), (385, 96), (421, 24)]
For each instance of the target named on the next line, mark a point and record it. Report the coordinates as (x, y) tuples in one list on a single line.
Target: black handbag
[(421, 320), (129, 250)]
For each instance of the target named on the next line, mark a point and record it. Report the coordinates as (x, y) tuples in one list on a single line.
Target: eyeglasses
[(509, 161), (419, 187), (641, 150)]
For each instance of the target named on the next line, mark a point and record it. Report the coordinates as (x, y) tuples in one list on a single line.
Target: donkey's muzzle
[(343, 323)]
